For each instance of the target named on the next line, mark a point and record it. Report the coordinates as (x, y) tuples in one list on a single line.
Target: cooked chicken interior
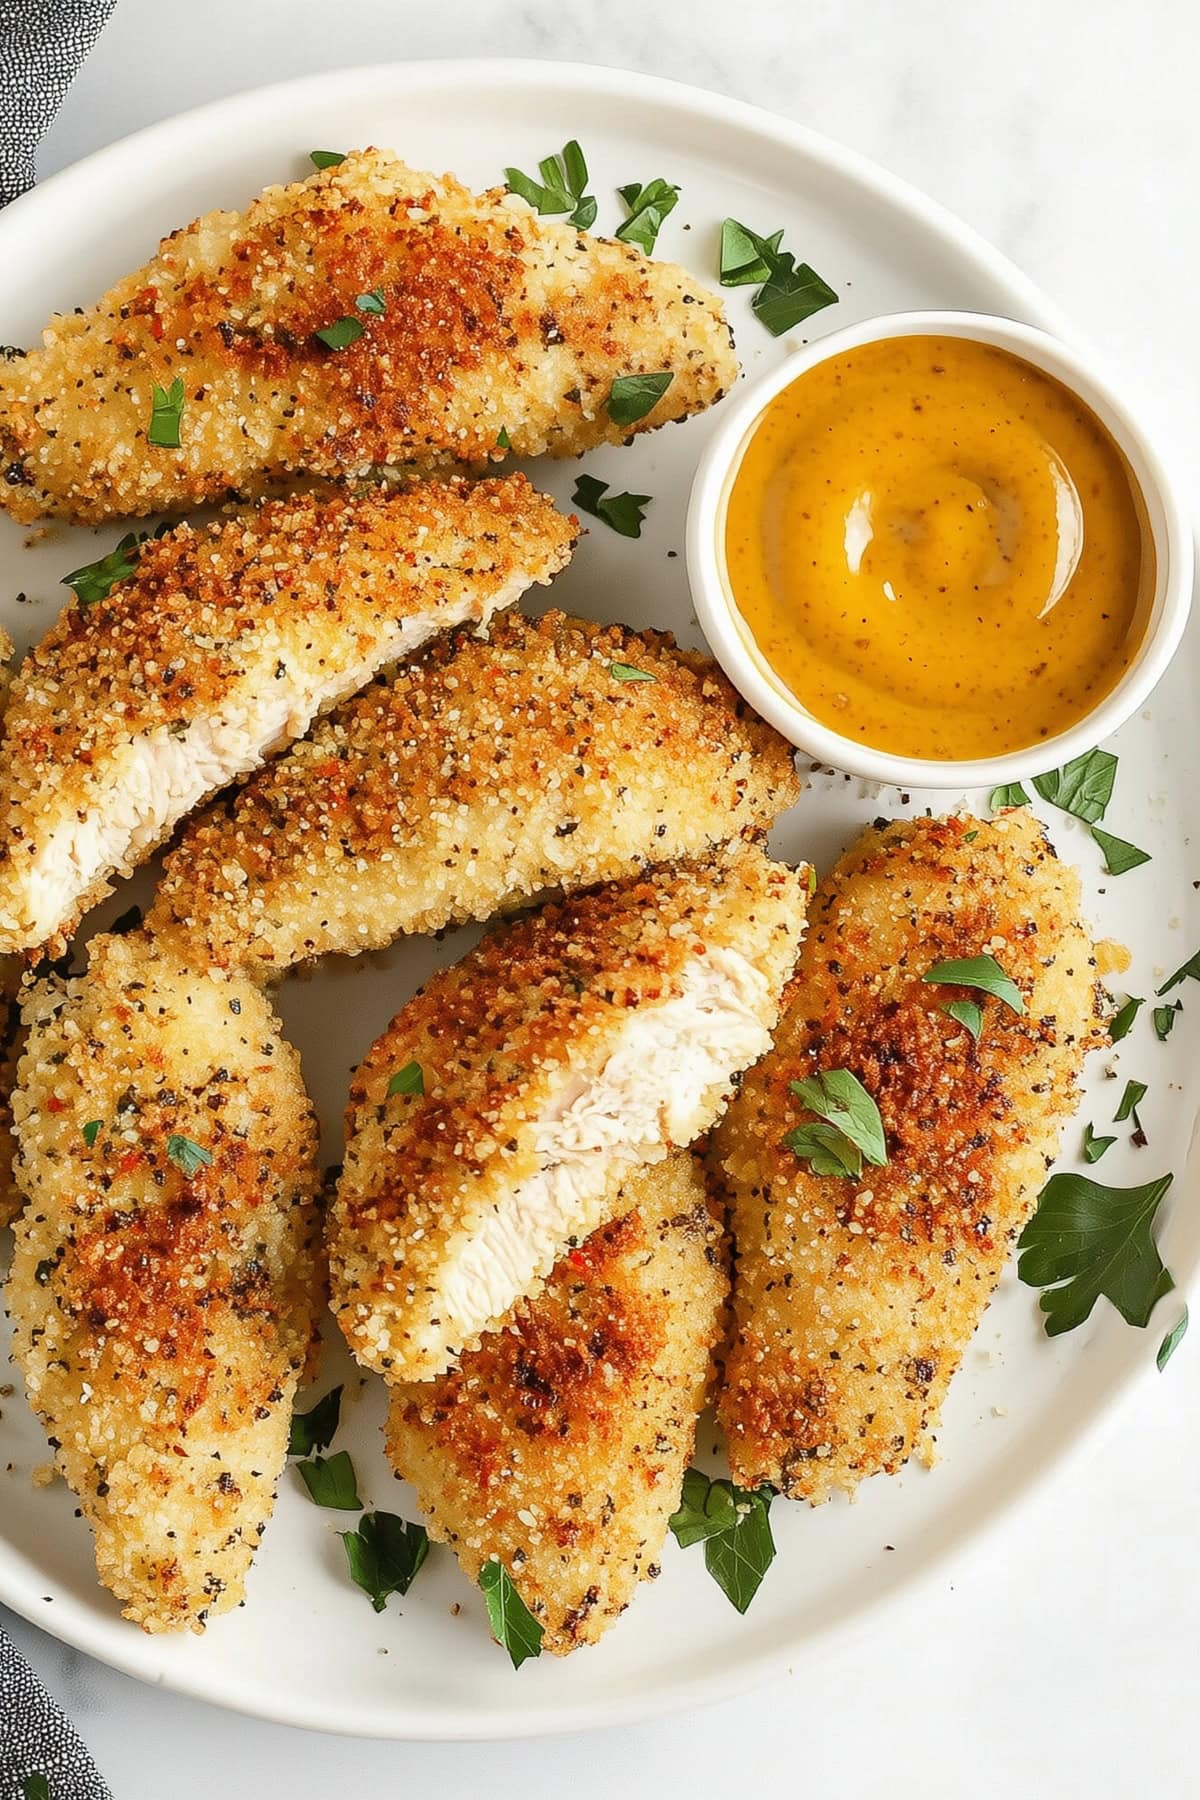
[(223, 645), (163, 1289), (473, 778), (460, 324), (568, 1050), (854, 1299), (559, 1445)]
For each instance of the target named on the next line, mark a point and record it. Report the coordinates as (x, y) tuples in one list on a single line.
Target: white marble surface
[(1061, 1656)]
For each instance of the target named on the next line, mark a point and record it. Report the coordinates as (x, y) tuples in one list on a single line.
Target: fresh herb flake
[(326, 159), (1188, 971), (1121, 1023), (1131, 1099), (1094, 1240), (968, 1013), (1093, 1146), (561, 189), (839, 1097), (734, 1526), (1010, 794), (631, 397), (503, 441), (385, 1555), (982, 972), (648, 206), (91, 1131), (746, 259), (826, 1150), (1172, 1341), (627, 672), (1164, 1018), (408, 1080), (341, 333), (372, 302), (1082, 787), (36, 1787), (792, 295), (624, 512), (188, 1156), (512, 1623), (166, 412), (95, 581), (331, 1482), (314, 1430), (1118, 855)]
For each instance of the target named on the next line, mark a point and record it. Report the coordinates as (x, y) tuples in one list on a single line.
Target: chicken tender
[(559, 1445), (221, 647), (461, 324), (855, 1299), (164, 1290), (472, 779), (491, 1125)]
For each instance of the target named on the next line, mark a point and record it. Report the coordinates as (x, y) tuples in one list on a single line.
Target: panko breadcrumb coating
[(855, 1299), (163, 1304), (482, 320), (559, 1445), (565, 1051), (472, 779), (220, 648)]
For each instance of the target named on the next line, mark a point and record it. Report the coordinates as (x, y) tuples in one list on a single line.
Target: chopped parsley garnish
[(36, 1787), (561, 189), (1118, 855), (648, 207), (631, 397), (1121, 1023), (372, 302), (851, 1130), (627, 672), (1094, 1240), (408, 1080), (1011, 794), (982, 972), (326, 159), (95, 581), (503, 441), (968, 1013), (341, 333), (1172, 1341), (734, 1526), (314, 1430), (624, 512), (1164, 1018), (166, 412), (1188, 971), (331, 1482), (188, 1156), (1093, 1146), (91, 1131), (1131, 1099), (512, 1623), (1082, 787), (788, 294), (384, 1555)]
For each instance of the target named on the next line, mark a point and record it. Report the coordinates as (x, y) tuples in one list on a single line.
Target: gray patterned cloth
[(42, 44)]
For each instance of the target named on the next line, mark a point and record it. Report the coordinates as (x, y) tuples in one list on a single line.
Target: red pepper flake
[(55, 1105), (129, 1162)]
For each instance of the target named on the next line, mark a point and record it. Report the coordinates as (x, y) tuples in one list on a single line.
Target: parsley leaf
[(503, 441), (1172, 1341), (631, 397), (968, 1013), (1164, 1020), (734, 1526), (982, 972), (1188, 971), (512, 1623), (384, 1555), (95, 581), (788, 294), (1082, 787), (189, 1157), (840, 1098), (1121, 1023), (825, 1149), (624, 512), (1131, 1099), (648, 207), (746, 258), (341, 333), (37, 1787), (408, 1080), (1011, 794), (314, 1429), (166, 411), (372, 302), (561, 189), (1118, 855), (1095, 1241), (331, 1482), (91, 1131), (326, 159), (627, 672), (1093, 1146)]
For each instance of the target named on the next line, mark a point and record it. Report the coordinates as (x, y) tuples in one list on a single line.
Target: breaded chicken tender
[(456, 318), (221, 647), (567, 1050), (854, 1299), (164, 1290), (559, 1445), (472, 779)]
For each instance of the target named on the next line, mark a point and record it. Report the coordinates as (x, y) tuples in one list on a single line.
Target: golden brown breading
[(567, 1049), (221, 647), (492, 320), (10, 1021), (470, 780), (162, 1306), (559, 1445), (855, 1299)]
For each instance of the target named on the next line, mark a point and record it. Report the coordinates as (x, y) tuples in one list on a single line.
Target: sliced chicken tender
[(559, 1445), (855, 1299), (568, 1050), (462, 324), (220, 648), (164, 1287), (472, 779)]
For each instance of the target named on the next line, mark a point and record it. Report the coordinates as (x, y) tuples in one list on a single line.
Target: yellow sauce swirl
[(939, 550)]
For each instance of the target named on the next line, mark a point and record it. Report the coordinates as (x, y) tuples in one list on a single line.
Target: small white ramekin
[(739, 656)]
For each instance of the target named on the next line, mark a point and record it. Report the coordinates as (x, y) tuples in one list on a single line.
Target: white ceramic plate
[(307, 1648)]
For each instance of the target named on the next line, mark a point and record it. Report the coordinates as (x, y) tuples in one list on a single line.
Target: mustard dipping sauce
[(940, 550)]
